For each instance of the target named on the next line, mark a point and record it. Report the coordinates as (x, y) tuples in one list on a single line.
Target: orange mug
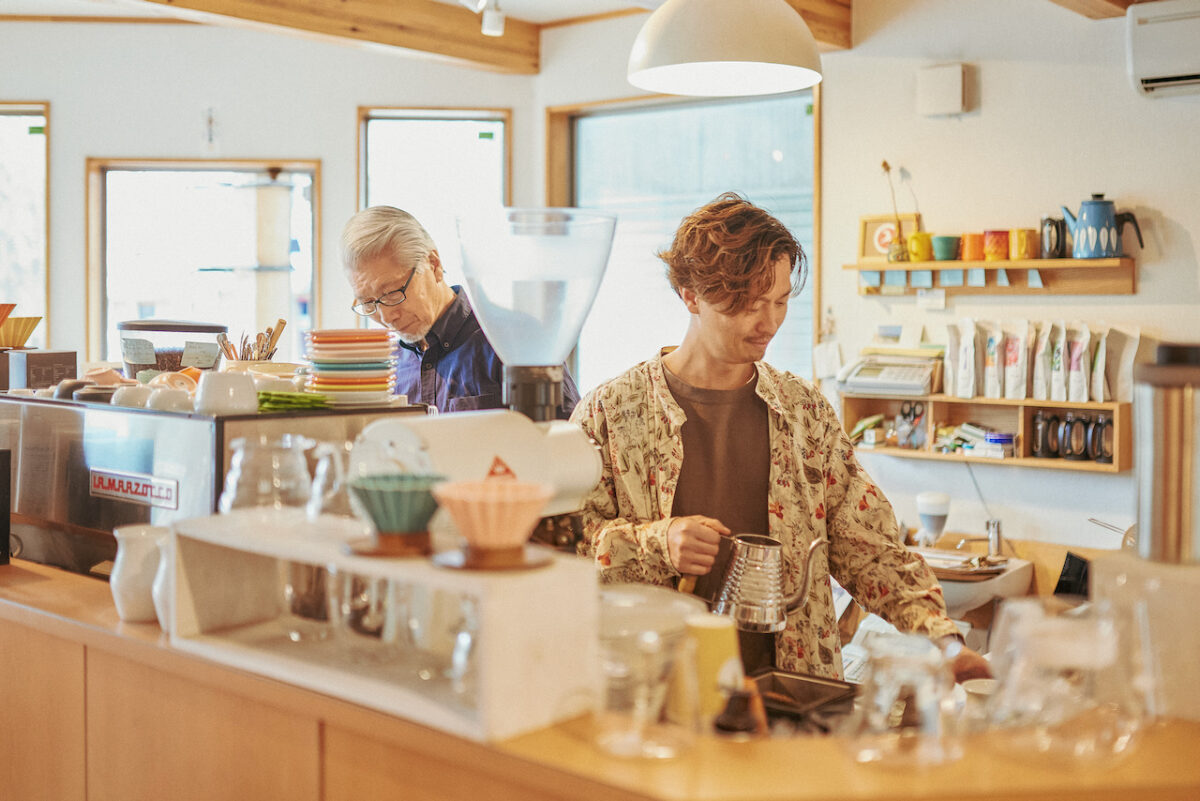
[(972, 247), (1024, 243), (995, 245)]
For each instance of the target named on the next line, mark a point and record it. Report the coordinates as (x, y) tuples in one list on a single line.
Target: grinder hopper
[(531, 275)]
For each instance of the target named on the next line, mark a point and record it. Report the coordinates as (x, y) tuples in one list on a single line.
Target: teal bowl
[(396, 503), (945, 248)]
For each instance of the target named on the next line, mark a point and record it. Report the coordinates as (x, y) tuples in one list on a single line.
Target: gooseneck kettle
[(1097, 231), (752, 589)]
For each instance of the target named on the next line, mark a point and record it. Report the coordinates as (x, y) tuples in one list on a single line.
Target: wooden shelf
[(1015, 416), (1115, 276)]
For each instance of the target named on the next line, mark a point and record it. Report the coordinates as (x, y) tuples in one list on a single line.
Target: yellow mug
[(1024, 243), (920, 246)]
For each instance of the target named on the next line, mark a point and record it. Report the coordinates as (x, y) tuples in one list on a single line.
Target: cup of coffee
[(1024, 243), (945, 248), (920, 246), (995, 245), (972, 247)]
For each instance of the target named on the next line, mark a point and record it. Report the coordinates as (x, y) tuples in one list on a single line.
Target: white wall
[(142, 91), (1056, 121)]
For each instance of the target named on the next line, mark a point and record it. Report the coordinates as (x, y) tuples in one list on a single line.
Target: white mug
[(132, 395), (226, 393), (166, 399)]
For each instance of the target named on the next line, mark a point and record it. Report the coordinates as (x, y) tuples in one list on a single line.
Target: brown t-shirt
[(726, 463)]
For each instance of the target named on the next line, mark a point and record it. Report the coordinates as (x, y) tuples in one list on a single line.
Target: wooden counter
[(98, 709)]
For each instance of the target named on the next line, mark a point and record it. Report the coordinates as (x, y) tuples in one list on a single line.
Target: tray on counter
[(798, 694)]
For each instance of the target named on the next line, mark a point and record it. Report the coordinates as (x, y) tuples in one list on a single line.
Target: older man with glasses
[(396, 273)]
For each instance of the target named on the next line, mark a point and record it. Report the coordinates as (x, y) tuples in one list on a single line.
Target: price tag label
[(199, 354), (137, 351)]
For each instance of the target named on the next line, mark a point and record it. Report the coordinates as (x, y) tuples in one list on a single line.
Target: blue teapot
[(1097, 232)]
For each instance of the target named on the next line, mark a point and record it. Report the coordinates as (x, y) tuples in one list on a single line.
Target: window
[(24, 278), (652, 166), (216, 242), (434, 163)]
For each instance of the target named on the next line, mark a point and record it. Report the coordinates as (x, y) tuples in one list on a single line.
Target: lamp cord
[(978, 491)]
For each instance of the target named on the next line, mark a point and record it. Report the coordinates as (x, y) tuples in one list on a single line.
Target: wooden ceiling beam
[(425, 26), (829, 21), (1097, 9)]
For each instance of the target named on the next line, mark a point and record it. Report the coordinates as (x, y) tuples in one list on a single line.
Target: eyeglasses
[(394, 298)]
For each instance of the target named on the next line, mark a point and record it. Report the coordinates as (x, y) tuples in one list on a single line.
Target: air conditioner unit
[(1162, 45)]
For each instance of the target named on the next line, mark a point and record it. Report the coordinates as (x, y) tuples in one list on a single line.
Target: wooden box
[(38, 369), (536, 636)]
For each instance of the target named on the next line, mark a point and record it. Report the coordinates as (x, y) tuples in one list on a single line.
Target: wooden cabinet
[(1115, 276), (149, 730), (41, 716), (1013, 416)]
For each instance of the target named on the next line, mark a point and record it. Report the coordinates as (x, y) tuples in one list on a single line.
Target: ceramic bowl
[(134, 396), (175, 380), (396, 503), (169, 399), (495, 514)]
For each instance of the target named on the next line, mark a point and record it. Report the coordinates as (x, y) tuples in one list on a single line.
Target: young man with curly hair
[(707, 440)]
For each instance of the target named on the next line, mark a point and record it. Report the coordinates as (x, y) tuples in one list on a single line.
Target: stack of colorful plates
[(352, 365)]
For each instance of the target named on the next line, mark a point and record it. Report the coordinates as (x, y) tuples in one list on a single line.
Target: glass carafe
[(269, 475), (1072, 685)]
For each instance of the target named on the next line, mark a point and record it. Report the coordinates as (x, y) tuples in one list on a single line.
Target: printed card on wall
[(950, 278), (922, 279)]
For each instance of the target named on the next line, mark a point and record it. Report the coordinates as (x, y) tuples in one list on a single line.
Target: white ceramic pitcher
[(133, 571)]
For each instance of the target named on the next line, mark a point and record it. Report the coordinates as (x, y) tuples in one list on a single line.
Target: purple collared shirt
[(459, 370)]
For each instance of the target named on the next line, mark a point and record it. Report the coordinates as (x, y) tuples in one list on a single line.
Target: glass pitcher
[(270, 474), (267, 472)]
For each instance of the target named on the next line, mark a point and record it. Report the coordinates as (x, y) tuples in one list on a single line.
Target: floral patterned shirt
[(816, 487)]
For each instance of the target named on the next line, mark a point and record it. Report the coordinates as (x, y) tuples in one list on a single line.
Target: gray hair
[(385, 229)]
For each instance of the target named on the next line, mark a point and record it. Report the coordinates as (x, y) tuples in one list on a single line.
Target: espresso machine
[(81, 469)]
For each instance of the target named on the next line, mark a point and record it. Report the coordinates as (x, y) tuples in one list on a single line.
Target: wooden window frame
[(560, 177), (40, 107), (366, 113), (94, 222)]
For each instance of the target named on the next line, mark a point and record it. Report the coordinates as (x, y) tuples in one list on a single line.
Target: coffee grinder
[(933, 508)]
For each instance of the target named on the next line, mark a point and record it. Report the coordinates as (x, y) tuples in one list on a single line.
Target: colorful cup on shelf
[(972, 247), (1024, 243), (945, 248), (995, 245), (920, 246)]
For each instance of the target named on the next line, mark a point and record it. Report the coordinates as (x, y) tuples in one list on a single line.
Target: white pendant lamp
[(722, 48)]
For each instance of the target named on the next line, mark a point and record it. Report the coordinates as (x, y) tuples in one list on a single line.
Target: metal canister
[(1167, 454)]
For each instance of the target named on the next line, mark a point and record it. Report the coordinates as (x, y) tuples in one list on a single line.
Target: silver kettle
[(751, 590)]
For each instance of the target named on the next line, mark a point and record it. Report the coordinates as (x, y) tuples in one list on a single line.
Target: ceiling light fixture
[(493, 19), (718, 48), (474, 5)]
